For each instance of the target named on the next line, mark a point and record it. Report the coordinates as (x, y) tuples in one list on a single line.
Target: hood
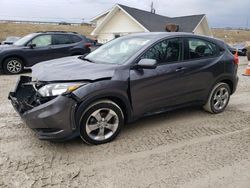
[(9, 47), (71, 69)]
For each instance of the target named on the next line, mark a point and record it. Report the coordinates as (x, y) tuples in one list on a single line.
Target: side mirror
[(31, 46), (147, 64)]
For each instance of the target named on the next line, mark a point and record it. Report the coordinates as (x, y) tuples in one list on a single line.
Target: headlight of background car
[(58, 89)]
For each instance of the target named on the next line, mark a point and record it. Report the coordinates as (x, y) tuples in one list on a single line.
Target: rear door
[(62, 45), (202, 64)]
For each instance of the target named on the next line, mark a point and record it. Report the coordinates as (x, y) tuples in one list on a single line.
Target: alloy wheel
[(14, 66), (102, 124), (220, 98)]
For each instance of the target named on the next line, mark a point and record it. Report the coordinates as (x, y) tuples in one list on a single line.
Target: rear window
[(75, 38), (198, 48)]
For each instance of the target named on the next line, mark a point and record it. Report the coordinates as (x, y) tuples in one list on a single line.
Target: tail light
[(87, 45), (236, 58)]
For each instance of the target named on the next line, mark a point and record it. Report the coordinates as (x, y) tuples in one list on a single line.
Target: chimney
[(170, 27), (152, 8)]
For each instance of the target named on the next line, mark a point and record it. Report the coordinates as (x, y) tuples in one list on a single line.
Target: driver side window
[(166, 51), (42, 40)]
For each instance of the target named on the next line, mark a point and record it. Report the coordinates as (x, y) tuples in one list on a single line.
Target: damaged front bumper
[(51, 118)]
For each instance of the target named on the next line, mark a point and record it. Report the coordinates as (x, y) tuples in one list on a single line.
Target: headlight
[(58, 89)]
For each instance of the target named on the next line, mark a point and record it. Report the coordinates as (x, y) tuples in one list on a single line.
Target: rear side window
[(75, 38), (62, 39), (198, 48), (166, 51)]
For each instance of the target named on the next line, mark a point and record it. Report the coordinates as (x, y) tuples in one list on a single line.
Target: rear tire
[(13, 65), (244, 52), (218, 98), (101, 122)]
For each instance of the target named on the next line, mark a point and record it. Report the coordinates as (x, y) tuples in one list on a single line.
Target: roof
[(168, 34), (71, 32), (159, 35), (155, 22)]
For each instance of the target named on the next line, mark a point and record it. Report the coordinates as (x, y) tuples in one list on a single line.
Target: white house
[(122, 20)]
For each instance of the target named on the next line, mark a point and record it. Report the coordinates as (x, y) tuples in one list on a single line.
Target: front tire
[(13, 65), (218, 98), (101, 122)]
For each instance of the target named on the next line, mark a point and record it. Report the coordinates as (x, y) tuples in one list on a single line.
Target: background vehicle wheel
[(13, 65), (101, 122), (218, 98)]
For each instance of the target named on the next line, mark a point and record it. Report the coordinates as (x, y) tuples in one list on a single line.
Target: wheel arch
[(119, 100), (225, 79), (229, 83), (13, 56), (228, 79)]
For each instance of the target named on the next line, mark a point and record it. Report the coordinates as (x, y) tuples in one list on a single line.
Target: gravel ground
[(185, 148)]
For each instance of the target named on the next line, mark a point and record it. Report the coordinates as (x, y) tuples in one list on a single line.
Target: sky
[(220, 13)]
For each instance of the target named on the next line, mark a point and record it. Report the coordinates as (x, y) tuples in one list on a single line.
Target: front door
[(153, 89), (41, 51)]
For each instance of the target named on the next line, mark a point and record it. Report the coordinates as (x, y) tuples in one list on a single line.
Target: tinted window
[(42, 40), (75, 38), (62, 39), (165, 51), (198, 48)]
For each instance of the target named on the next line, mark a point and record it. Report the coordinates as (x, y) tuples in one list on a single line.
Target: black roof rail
[(57, 32)]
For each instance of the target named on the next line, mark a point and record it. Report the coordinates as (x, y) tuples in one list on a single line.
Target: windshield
[(24, 40), (118, 50)]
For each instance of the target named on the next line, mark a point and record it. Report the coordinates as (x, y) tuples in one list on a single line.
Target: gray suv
[(41, 46), (125, 79)]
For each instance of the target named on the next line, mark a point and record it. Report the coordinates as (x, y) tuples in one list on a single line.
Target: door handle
[(180, 69)]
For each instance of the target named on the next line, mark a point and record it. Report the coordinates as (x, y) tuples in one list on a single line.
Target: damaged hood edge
[(72, 69)]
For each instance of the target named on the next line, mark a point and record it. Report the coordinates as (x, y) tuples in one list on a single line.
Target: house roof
[(154, 22)]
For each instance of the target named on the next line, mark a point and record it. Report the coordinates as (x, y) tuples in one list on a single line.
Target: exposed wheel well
[(230, 83)]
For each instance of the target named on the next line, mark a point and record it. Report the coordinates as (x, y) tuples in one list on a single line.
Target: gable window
[(166, 51), (198, 48)]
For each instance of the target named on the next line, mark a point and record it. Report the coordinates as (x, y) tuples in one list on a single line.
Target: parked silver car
[(10, 40)]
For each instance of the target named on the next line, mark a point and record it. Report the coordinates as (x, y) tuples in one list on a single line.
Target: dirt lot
[(185, 148), (17, 29), (232, 36)]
